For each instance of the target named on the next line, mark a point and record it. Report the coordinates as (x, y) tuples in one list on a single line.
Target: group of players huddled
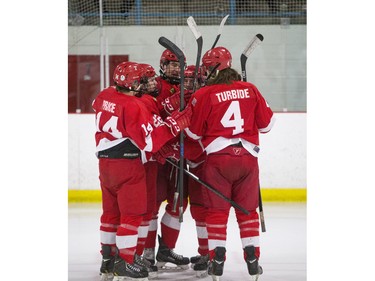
[(138, 125)]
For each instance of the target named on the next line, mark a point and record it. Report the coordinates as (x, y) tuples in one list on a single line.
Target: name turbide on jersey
[(232, 95)]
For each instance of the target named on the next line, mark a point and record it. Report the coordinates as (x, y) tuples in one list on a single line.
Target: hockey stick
[(261, 215), (198, 37), (245, 54), (181, 58), (218, 193), (216, 40), (220, 30), (248, 50)]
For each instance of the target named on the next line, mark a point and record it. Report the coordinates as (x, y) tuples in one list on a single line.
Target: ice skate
[(195, 259), (106, 269), (146, 265), (168, 260), (252, 263), (200, 266), (149, 254), (216, 266), (123, 271)]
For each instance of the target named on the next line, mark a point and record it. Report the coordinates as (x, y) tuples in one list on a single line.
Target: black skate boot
[(200, 266), (106, 269), (252, 263), (126, 271), (195, 259), (216, 266), (149, 254), (146, 266), (166, 255)]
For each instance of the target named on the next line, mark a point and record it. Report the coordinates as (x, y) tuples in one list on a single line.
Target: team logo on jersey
[(194, 101), (176, 146), (237, 150)]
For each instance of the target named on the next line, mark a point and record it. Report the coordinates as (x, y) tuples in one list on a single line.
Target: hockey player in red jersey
[(147, 94), (171, 149), (195, 156), (169, 82), (127, 133), (168, 100), (228, 115)]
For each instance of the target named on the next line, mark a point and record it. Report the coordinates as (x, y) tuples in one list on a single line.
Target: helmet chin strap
[(138, 91), (172, 80), (212, 71), (154, 93), (141, 92)]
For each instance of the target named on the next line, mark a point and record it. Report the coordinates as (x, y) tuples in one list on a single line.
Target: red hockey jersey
[(120, 117), (228, 114), (165, 90)]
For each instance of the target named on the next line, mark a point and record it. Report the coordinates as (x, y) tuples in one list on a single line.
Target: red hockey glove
[(179, 120), (172, 103), (171, 150)]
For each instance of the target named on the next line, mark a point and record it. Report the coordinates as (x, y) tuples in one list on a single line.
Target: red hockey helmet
[(147, 70), (168, 56), (189, 71), (126, 73), (189, 76), (215, 56), (148, 82)]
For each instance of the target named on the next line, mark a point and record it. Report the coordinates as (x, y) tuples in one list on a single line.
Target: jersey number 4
[(232, 118)]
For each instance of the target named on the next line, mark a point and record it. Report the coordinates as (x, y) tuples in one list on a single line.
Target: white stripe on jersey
[(269, 127)]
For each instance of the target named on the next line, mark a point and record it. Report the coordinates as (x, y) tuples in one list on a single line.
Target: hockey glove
[(170, 150), (179, 120), (171, 103)]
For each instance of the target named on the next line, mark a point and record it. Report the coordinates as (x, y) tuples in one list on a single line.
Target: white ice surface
[(283, 245)]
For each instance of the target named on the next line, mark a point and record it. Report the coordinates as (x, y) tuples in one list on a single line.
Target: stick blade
[(222, 23), (253, 44), (260, 36), (257, 39), (166, 43), (193, 27), (220, 31)]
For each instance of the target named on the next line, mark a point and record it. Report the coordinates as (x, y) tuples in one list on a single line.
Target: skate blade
[(201, 273), (254, 277), (170, 267), (152, 275), (125, 278), (215, 278), (106, 276)]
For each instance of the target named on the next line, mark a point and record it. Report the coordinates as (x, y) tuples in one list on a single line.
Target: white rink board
[(282, 158)]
